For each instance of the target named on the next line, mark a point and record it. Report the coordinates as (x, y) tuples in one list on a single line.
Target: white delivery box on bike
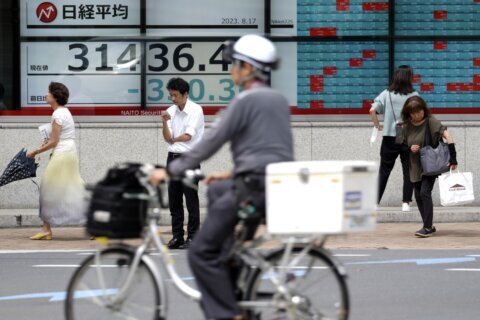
[(325, 197)]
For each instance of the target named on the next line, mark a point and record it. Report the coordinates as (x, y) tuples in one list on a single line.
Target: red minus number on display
[(316, 104), (323, 32), (440, 45), (427, 86), (440, 14), (375, 6)]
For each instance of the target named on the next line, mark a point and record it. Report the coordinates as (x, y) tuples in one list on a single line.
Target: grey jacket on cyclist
[(257, 123)]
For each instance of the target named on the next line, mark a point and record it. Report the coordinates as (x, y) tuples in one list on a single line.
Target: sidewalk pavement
[(458, 228), (385, 236)]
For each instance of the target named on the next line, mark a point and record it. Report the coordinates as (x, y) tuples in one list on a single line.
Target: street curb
[(12, 218)]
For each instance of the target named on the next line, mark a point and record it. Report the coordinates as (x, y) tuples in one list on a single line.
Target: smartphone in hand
[(165, 115)]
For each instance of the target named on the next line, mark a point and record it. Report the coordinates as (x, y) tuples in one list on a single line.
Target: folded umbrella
[(20, 167)]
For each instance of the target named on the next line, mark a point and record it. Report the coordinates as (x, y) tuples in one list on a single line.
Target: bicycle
[(122, 281)]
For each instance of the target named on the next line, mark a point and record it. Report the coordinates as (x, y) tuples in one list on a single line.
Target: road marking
[(71, 265), (90, 253), (462, 269), (302, 267), (161, 254), (62, 295), (54, 296), (42, 251), (351, 255), (420, 261)]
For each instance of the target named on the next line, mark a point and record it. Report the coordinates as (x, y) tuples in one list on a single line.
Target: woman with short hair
[(416, 116), (62, 188)]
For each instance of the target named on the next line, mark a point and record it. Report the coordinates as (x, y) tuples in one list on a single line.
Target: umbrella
[(20, 167)]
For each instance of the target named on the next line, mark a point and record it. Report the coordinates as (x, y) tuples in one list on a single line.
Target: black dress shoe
[(175, 243), (186, 245)]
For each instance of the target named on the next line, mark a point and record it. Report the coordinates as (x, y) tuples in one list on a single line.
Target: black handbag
[(434, 160), (398, 125)]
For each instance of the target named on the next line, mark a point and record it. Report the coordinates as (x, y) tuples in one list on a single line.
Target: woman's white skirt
[(62, 192)]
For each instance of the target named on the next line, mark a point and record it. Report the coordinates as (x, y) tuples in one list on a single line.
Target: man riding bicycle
[(257, 125)]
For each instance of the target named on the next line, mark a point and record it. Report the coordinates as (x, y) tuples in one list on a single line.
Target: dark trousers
[(423, 195), (206, 254), (389, 152), (176, 190)]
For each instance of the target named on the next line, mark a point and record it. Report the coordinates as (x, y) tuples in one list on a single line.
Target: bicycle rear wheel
[(94, 286), (316, 288)]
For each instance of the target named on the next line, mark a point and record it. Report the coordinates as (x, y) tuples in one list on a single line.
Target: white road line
[(351, 255), (56, 265), (473, 255), (150, 254), (42, 251), (159, 254), (303, 267), (462, 269), (70, 266)]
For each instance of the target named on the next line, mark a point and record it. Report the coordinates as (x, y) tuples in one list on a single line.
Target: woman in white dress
[(62, 188)]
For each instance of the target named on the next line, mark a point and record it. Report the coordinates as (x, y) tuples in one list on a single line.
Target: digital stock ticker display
[(337, 55)]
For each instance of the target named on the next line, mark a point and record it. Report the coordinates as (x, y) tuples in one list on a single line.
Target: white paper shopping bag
[(456, 188)]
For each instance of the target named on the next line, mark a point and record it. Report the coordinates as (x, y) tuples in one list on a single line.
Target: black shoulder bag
[(434, 160), (398, 124)]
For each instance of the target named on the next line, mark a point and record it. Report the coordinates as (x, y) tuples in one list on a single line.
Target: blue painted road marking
[(62, 295), (54, 296), (419, 261)]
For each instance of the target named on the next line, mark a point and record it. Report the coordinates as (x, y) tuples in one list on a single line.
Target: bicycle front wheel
[(93, 290), (315, 288)]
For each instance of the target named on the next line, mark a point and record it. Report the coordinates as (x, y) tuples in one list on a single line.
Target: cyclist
[(257, 125)]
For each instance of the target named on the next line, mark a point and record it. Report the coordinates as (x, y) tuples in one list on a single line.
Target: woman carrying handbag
[(390, 103), (421, 126)]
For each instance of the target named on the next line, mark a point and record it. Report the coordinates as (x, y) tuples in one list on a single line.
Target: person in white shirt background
[(61, 188), (183, 127)]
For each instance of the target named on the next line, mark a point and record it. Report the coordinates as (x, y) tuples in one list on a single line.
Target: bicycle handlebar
[(190, 178)]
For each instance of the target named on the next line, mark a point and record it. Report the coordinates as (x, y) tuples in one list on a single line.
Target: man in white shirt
[(183, 126)]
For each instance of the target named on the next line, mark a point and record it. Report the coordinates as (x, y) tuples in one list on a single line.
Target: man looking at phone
[(183, 126)]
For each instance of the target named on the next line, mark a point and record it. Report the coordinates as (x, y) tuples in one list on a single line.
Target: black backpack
[(110, 214)]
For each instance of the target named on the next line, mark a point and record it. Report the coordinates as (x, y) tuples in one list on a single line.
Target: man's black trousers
[(176, 190)]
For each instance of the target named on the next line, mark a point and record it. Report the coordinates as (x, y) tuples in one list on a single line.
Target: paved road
[(435, 278), (384, 284)]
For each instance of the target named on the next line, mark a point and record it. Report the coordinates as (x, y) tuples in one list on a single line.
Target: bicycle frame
[(141, 255), (248, 253)]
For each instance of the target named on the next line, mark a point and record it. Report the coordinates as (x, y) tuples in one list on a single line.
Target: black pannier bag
[(110, 214)]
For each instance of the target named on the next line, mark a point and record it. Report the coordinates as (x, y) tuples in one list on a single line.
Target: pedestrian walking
[(417, 118), (183, 126), (390, 103), (62, 188)]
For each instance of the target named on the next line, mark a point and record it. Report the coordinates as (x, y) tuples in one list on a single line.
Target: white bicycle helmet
[(253, 49)]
